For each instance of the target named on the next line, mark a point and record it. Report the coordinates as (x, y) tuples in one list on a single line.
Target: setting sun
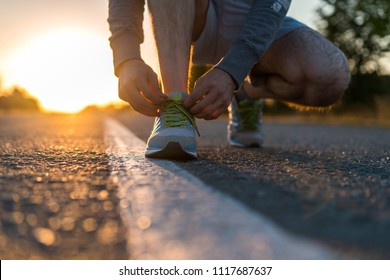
[(66, 69)]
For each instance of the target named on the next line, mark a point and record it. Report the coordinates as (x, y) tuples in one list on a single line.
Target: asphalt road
[(323, 182), (56, 200)]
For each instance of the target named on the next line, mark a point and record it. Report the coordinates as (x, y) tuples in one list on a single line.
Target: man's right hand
[(138, 85)]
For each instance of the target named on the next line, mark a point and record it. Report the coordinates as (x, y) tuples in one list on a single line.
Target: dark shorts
[(225, 19)]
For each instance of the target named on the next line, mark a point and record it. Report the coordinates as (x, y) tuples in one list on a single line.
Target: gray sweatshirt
[(263, 21)]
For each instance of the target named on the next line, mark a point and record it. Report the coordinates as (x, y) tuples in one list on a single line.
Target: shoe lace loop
[(176, 115)]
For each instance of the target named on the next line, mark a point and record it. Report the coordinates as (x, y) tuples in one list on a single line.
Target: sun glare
[(65, 69)]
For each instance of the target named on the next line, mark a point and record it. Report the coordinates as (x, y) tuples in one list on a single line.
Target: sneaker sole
[(252, 145), (172, 150), (255, 143)]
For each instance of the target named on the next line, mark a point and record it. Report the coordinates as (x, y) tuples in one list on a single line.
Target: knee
[(323, 94), (327, 87)]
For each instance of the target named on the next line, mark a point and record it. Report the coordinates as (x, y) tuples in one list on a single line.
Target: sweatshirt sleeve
[(259, 30), (125, 19)]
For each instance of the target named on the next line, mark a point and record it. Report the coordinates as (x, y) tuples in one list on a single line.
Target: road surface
[(322, 183)]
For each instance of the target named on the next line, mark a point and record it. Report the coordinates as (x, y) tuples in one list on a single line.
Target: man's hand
[(211, 95), (138, 85)]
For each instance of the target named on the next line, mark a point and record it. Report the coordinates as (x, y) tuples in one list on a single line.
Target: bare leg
[(175, 25), (301, 67)]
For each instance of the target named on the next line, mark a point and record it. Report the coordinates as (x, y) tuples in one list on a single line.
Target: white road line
[(170, 214)]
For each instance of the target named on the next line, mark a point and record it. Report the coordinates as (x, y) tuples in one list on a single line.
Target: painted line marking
[(171, 214)]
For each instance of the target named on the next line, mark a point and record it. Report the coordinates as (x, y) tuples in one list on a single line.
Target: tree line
[(361, 29), (18, 98)]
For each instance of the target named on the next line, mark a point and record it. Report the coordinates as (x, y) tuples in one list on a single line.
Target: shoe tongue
[(177, 95)]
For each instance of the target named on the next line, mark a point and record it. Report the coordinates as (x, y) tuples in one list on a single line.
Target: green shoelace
[(249, 114), (174, 114)]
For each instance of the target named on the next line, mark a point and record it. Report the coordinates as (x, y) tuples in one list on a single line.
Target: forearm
[(125, 22), (259, 31)]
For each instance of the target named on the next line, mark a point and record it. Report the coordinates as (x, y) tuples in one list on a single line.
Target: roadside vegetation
[(18, 99), (361, 29)]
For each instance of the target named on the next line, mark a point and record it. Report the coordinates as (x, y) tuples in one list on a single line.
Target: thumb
[(155, 85)]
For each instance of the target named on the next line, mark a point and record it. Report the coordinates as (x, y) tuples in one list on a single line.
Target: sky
[(58, 50)]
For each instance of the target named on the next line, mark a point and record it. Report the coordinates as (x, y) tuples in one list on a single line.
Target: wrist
[(230, 77), (127, 63)]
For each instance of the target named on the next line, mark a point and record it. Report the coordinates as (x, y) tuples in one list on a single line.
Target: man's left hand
[(211, 95)]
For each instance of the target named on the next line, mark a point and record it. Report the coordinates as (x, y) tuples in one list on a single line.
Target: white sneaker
[(173, 135), (245, 127)]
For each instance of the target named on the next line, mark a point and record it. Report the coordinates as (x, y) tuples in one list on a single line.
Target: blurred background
[(55, 56)]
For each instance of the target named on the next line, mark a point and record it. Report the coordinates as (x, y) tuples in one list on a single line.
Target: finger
[(156, 87), (124, 92), (204, 103), (196, 95), (140, 104), (215, 114), (212, 111), (150, 92), (144, 107)]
